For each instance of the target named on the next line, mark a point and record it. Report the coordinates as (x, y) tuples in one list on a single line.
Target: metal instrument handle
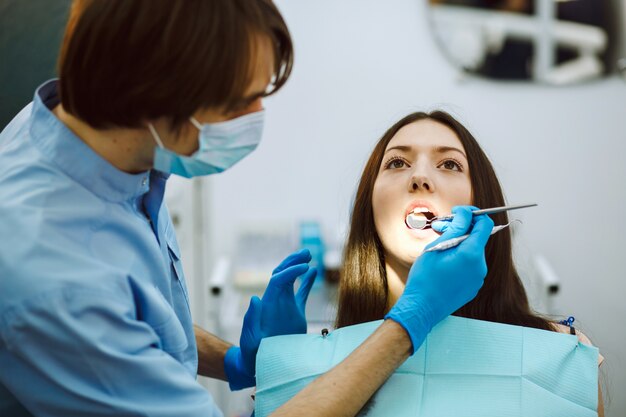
[(487, 211)]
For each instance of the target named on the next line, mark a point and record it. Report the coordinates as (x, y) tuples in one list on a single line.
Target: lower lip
[(422, 233)]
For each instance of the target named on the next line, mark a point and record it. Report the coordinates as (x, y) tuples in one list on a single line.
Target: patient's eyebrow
[(444, 149), (402, 148), (437, 149)]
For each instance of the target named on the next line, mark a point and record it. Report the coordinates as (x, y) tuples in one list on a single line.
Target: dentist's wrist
[(415, 317), (238, 377)]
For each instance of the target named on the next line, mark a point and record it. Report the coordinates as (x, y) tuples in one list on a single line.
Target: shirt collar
[(74, 157)]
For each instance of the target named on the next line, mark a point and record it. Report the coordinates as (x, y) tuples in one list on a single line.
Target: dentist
[(94, 314)]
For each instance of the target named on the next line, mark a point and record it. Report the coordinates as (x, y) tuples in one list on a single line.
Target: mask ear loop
[(196, 123), (155, 135)]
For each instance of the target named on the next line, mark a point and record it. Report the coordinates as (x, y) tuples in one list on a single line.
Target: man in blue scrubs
[(94, 314)]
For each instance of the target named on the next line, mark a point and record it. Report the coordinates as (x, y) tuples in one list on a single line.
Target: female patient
[(431, 163)]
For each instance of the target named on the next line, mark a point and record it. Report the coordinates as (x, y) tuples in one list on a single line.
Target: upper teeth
[(417, 210)]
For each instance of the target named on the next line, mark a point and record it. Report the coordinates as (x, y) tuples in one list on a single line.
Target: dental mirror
[(421, 221)]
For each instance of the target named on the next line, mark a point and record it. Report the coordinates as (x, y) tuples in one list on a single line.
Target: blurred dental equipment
[(450, 243), (550, 281), (545, 284), (621, 66), (471, 34), (418, 219)]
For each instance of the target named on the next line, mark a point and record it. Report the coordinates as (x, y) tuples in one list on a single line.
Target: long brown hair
[(363, 291)]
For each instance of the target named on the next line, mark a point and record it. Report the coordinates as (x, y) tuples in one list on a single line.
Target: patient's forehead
[(425, 134)]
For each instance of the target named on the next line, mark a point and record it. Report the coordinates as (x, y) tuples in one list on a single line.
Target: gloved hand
[(441, 282), (280, 311)]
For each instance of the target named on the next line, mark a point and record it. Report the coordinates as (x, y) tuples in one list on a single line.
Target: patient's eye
[(451, 165), (396, 163)]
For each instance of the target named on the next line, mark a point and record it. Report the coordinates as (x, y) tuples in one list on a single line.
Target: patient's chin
[(414, 253)]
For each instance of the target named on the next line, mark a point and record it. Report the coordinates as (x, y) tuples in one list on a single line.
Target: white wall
[(363, 64)]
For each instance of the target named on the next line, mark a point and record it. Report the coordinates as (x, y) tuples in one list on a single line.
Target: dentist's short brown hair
[(123, 62)]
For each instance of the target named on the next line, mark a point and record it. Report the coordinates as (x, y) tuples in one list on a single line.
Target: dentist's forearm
[(347, 387), (211, 352)]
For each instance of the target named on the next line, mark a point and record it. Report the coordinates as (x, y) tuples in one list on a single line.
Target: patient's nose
[(420, 182)]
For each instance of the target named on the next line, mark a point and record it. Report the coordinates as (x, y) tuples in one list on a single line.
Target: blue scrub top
[(94, 310)]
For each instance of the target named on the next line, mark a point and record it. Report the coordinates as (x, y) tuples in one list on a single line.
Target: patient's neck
[(397, 274)]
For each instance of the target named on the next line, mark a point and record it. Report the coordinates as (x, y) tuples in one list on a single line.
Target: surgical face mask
[(221, 145)]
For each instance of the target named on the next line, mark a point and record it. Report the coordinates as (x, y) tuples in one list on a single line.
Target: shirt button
[(144, 181)]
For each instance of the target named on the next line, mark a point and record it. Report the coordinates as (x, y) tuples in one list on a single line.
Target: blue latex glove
[(441, 282), (279, 312)]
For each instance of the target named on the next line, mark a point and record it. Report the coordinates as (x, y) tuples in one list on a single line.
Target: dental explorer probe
[(414, 223), (450, 243)]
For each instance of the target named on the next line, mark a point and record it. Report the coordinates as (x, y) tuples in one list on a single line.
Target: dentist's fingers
[(481, 230), (283, 279), (305, 288), (459, 226), (442, 226), (252, 318), (300, 257), (253, 332)]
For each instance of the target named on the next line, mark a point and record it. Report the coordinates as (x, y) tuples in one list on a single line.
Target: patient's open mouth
[(419, 218)]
